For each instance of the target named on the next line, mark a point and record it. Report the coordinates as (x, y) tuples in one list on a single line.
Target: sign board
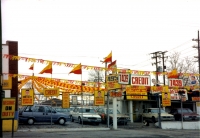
[(8, 108), (112, 82), (139, 80), (7, 84), (136, 93), (175, 83), (175, 96), (27, 97), (51, 92), (166, 99), (99, 98), (123, 78), (115, 94), (156, 89), (74, 100), (65, 100)]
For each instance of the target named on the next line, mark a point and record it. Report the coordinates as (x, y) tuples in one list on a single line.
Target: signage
[(156, 89), (197, 99), (65, 100), (51, 92), (123, 78), (166, 99), (7, 84), (136, 93), (74, 100), (99, 98), (112, 82), (115, 94), (175, 95), (8, 108), (27, 96), (175, 83), (138, 80)]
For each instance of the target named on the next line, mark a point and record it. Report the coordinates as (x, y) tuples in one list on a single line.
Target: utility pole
[(164, 67), (156, 55), (198, 48)]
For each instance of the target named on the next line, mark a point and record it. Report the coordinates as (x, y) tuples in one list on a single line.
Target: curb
[(67, 129)]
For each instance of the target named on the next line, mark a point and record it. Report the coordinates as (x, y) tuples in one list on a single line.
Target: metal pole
[(51, 111), (181, 113), (159, 117), (198, 55), (82, 99), (1, 129)]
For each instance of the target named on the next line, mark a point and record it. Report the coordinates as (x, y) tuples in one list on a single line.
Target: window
[(39, 109), (28, 109)]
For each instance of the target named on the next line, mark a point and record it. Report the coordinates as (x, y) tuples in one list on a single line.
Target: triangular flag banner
[(32, 67), (77, 69), (47, 69), (112, 64), (108, 58)]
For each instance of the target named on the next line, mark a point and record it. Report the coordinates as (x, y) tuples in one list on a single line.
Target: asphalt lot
[(75, 130)]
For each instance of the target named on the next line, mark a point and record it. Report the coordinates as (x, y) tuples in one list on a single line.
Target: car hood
[(166, 114)]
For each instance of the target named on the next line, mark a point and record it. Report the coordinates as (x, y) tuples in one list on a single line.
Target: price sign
[(112, 82)]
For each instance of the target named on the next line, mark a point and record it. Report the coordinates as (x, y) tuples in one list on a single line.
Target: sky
[(86, 31)]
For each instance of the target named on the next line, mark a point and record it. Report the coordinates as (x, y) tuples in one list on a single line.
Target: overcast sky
[(85, 31)]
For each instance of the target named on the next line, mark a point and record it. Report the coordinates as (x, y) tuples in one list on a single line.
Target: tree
[(94, 75), (185, 65)]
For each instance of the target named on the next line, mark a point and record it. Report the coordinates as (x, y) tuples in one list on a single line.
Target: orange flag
[(173, 74), (32, 67), (47, 69), (77, 69), (112, 64), (108, 58)]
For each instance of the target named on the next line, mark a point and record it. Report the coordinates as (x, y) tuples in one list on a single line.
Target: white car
[(152, 114), (85, 114)]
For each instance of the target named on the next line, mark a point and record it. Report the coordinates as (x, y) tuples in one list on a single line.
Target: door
[(39, 114)]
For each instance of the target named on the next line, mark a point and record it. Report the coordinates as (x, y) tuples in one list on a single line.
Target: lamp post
[(159, 112)]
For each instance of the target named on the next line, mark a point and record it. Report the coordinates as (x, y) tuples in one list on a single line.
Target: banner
[(65, 100), (175, 95), (136, 93), (99, 98), (166, 99), (8, 108), (27, 96)]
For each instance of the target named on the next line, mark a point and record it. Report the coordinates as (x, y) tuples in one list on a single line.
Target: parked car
[(41, 113), (187, 114), (121, 118), (63, 110), (85, 114), (152, 114)]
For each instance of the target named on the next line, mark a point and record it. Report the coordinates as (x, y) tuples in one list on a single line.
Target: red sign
[(175, 82), (140, 80), (115, 94), (123, 78)]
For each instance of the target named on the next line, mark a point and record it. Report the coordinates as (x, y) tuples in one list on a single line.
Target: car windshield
[(87, 110), (185, 111), (157, 111), (111, 111)]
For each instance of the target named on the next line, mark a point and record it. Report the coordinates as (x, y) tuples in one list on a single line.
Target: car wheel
[(61, 121), (30, 121), (146, 123), (72, 120), (79, 120)]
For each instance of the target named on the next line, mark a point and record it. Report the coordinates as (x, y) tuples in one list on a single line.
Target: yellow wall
[(7, 125)]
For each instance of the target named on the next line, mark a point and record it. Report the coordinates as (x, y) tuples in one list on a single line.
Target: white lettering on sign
[(175, 82), (123, 79), (140, 80)]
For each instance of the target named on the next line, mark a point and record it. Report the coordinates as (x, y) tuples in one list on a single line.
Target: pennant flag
[(108, 58), (32, 67), (47, 69), (112, 64), (173, 74), (77, 69)]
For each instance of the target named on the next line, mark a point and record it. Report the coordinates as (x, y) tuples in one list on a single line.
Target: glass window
[(28, 109), (157, 111), (39, 109), (48, 109)]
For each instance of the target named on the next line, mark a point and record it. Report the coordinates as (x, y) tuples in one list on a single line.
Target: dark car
[(41, 113), (121, 118), (188, 114)]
